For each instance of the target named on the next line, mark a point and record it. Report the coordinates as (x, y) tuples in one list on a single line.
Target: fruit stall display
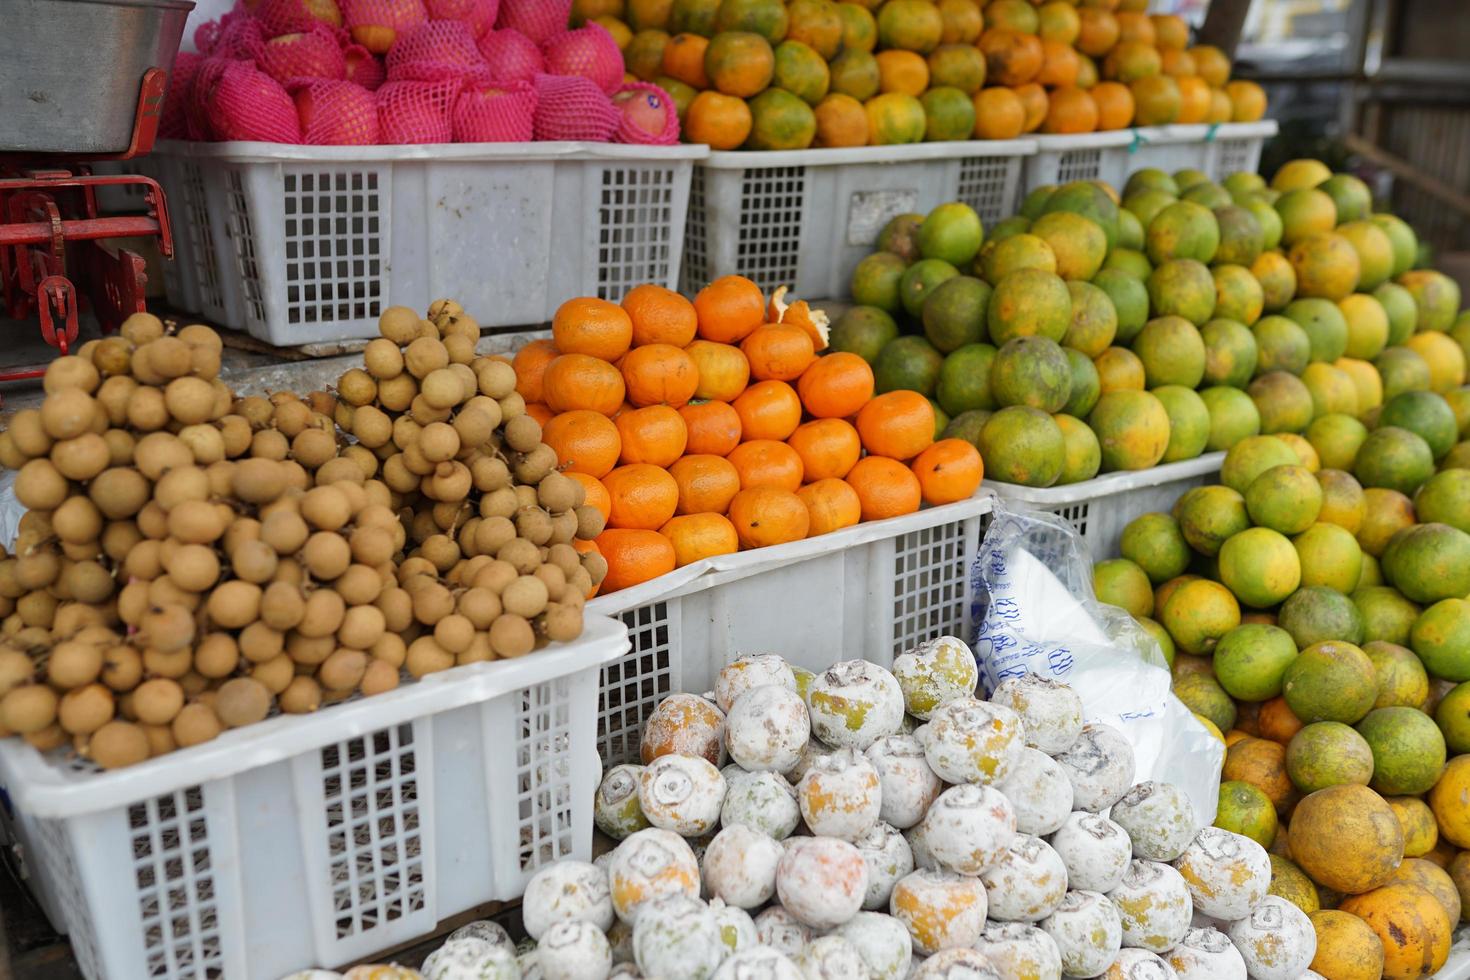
[(1085, 336), (778, 75), (1317, 617)]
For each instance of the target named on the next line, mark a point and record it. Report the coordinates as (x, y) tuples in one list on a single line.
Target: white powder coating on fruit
[(907, 783), (1206, 954), (767, 729), (615, 806), (1019, 950), (762, 801), (740, 866), (737, 928), (494, 933), (1039, 791), (566, 890), (1050, 710), (1087, 932), (882, 941), (677, 936), (1027, 882), (759, 963), (684, 724), (971, 741), (956, 964), (941, 910), (854, 703), (1158, 818), (919, 848), (681, 793), (1154, 906), (840, 795), (574, 949), (1095, 850), (1227, 873), (471, 959), (749, 671), (889, 859), (934, 672), (1138, 964), (814, 750), (969, 827), (822, 881), (778, 929), (1100, 765), (1276, 940), (650, 864), (830, 958)]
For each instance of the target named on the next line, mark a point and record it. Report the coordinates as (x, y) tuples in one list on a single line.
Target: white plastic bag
[(1035, 612), (11, 510)]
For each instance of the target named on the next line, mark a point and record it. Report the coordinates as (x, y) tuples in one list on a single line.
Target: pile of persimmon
[(707, 427)]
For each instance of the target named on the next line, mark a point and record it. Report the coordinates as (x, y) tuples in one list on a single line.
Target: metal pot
[(70, 70)]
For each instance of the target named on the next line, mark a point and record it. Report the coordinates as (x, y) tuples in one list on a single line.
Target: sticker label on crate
[(869, 211)]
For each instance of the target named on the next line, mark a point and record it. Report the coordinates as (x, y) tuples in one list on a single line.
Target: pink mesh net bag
[(537, 19), (440, 49), (362, 68), (173, 122), (334, 113), (240, 36), (570, 107), (297, 16), (416, 112), (503, 112), (477, 15), (199, 105), (247, 104), (206, 36), (511, 56), (589, 51), (377, 24), (314, 54), (646, 114)]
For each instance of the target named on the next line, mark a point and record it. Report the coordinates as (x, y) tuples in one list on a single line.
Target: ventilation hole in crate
[(694, 271), (199, 249), (242, 231), (333, 245), (544, 790), (1233, 156), (374, 843), (930, 566), (174, 883), (632, 686), (635, 213), (53, 851), (987, 185), (1078, 165), (1074, 514), (770, 225)]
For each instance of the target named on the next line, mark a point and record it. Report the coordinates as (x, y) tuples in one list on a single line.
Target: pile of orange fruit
[(708, 427), (790, 74)]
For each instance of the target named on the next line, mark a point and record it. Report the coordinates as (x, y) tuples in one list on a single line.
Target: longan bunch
[(492, 570)]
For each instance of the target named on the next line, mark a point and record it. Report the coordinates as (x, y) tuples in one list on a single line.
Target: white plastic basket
[(806, 218), (869, 591), (1084, 156), (1100, 508), (312, 243), (320, 839), (1236, 147)]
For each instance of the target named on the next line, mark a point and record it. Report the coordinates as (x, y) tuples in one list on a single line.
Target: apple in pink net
[(362, 68), (413, 112), (336, 114), (283, 16), (247, 104), (313, 55), (648, 112), (476, 14), (376, 24)]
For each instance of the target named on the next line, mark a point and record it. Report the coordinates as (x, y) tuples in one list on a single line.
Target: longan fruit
[(285, 531), (523, 555), (323, 614), (234, 604), (37, 569), (275, 674), (357, 387), (67, 413), (189, 399), (522, 433), (431, 603), (160, 739), (88, 582), (37, 609), (192, 567), (259, 480), (81, 458), (438, 442), (501, 502), (77, 521), (441, 390), (282, 606), (15, 669), (397, 607), (10, 457), (555, 580), (119, 492), (525, 597), (474, 426), (361, 627), (511, 636), (342, 670), (258, 643), (382, 359), (531, 467), (181, 484), (269, 444), (118, 744), (302, 696), (29, 434), (120, 446), (326, 555), (398, 324), (425, 656), (556, 492), (561, 623), (29, 708), (497, 379), (359, 585), (397, 394), (196, 522), (565, 557), (454, 633), (533, 524), (254, 561), (579, 583), (84, 710), (169, 357), (461, 349), (495, 576), (40, 486), (490, 475), (217, 655), (371, 545), (371, 426), (425, 355), (140, 328), (167, 628), (326, 508), (157, 701), (242, 701), (174, 664), (379, 677), (195, 724), (313, 447), (292, 417)]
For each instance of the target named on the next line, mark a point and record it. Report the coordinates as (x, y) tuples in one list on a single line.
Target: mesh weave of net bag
[(646, 115), (378, 24), (589, 51), (335, 113), (502, 112), (537, 19), (314, 54), (416, 112), (438, 50), (570, 107), (247, 104), (477, 15), (198, 104), (240, 36), (363, 67), (173, 121), (279, 17), (511, 56)]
